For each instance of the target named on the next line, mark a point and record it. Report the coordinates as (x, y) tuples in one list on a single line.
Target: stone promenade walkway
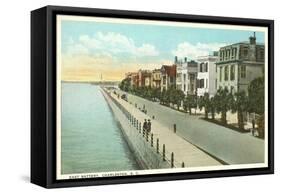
[(182, 149)]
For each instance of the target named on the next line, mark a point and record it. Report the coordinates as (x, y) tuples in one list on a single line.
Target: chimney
[(253, 39)]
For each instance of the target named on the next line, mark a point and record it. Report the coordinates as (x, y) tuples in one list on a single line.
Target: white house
[(207, 74), (186, 75)]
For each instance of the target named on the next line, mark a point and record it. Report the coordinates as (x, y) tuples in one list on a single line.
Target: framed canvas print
[(126, 96)]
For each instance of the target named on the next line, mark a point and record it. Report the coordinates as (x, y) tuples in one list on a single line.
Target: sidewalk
[(182, 149)]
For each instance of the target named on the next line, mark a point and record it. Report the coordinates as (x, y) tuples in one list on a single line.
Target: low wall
[(145, 154)]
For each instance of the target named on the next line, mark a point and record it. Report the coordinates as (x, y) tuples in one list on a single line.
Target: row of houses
[(233, 66)]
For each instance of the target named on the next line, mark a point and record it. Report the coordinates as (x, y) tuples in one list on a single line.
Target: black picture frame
[(43, 95)]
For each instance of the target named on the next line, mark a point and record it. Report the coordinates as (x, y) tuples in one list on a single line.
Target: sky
[(91, 48)]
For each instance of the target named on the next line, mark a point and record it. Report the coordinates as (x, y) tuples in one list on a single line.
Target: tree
[(178, 97), (223, 99), (170, 95), (147, 93), (134, 89), (212, 107), (256, 95), (256, 101), (190, 101), (155, 93), (204, 102), (239, 104), (125, 84), (164, 97)]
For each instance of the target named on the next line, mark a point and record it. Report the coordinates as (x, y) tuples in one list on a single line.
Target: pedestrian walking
[(149, 126), (253, 127), (253, 123)]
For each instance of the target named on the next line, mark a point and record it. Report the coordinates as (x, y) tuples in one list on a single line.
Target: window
[(179, 77), (192, 77), (206, 67), (220, 74), (243, 71), (233, 53), (232, 72), (184, 87), (201, 67), (227, 54), (226, 72), (245, 52), (201, 83)]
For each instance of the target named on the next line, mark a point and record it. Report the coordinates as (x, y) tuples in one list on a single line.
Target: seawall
[(144, 147)]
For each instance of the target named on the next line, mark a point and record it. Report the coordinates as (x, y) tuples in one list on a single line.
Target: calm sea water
[(91, 138)]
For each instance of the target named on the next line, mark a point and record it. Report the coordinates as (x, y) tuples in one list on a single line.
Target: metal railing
[(148, 137)]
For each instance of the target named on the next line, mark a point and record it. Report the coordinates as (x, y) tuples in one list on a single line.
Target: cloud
[(147, 50), (75, 49), (192, 51), (110, 43)]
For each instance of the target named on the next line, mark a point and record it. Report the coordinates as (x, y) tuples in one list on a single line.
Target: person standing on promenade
[(149, 126), (144, 128), (253, 127)]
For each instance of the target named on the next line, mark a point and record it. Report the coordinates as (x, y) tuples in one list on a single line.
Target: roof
[(170, 69), (242, 43)]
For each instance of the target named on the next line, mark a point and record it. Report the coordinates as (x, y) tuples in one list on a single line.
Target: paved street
[(230, 146)]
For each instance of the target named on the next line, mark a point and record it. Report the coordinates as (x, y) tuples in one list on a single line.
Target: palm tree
[(170, 95), (189, 103), (223, 99), (155, 93), (163, 97), (148, 93), (256, 97), (239, 105), (212, 107), (158, 93), (178, 98), (204, 102)]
